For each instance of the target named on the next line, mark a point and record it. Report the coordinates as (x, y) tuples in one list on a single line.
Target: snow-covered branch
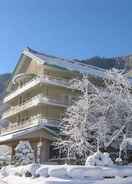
[(98, 117)]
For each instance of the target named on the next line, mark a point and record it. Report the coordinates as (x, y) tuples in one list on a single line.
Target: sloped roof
[(71, 65), (64, 63)]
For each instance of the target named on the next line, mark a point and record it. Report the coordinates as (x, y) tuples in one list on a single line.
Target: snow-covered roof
[(64, 63)]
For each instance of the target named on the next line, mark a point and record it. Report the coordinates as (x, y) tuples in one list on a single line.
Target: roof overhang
[(28, 133), (17, 68)]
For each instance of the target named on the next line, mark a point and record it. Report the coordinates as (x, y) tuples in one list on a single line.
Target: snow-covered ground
[(52, 180), (65, 174)]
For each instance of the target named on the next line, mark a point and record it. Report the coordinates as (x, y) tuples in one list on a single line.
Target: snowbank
[(22, 180), (5, 171), (20, 170), (82, 172), (124, 171), (42, 171), (58, 171), (32, 168), (67, 171)]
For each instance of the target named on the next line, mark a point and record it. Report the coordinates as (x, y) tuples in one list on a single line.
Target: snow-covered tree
[(24, 153), (99, 117), (118, 113), (76, 126)]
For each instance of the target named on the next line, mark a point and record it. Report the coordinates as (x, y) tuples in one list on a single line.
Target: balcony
[(34, 101), (34, 121), (34, 82)]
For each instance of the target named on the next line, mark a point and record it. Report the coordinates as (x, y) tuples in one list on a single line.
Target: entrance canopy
[(28, 133)]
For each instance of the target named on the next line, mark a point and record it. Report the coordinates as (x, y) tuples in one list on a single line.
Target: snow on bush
[(42, 171), (98, 172), (114, 171), (24, 153), (83, 171), (124, 171), (31, 169), (20, 170), (70, 171), (110, 172), (118, 161), (99, 159), (7, 170), (57, 171)]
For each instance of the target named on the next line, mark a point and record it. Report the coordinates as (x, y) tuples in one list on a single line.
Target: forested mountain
[(124, 63), (4, 78), (108, 63)]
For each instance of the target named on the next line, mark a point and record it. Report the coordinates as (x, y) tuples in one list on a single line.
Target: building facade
[(37, 97)]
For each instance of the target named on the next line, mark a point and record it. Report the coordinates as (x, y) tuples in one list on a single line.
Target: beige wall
[(47, 90), (35, 68), (47, 111), (30, 66)]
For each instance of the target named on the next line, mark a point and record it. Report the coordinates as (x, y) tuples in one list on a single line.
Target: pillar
[(12, 152), (34, 147), (43, 151)]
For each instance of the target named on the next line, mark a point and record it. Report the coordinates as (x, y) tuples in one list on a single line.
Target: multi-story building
[(37, 96)]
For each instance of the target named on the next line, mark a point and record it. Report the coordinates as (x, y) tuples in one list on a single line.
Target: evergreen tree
[(24, 153)]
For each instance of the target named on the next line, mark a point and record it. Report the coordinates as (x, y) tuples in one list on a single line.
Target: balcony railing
[(34, 101), (46, 79), (37, 120)]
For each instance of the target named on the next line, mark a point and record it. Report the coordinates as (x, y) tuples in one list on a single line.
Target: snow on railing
[(40, 79), (37, 120), (55, 100), (52, 100)]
